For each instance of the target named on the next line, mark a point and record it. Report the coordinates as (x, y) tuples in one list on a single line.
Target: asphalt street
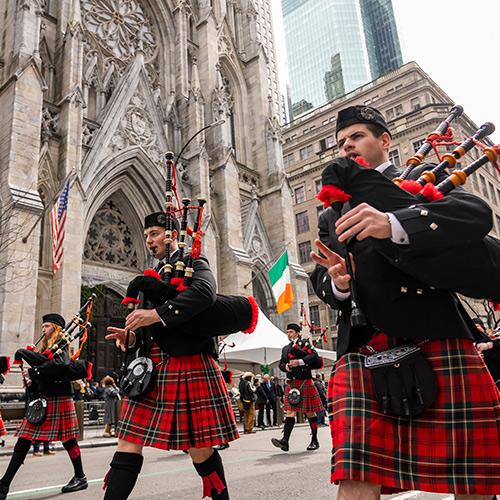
[(254, 468)]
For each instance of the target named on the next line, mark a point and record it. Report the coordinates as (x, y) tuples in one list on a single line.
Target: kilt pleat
[(187, 406), (453, 447), (310, 401), (60, 424)]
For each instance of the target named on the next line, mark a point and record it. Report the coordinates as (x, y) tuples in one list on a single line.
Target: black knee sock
[(289, 423), (21, 449), (122, 476), (71, 446), (211, 472), (313, 422)]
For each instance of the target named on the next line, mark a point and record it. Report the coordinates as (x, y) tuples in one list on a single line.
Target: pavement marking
[(409, 494), (95, 482)]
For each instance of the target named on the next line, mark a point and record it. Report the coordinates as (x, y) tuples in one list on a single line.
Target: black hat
[(360, 114), (293, 326), (55, 318), (159, 219)]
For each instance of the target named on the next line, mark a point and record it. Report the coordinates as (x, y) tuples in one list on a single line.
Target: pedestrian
[(260, 403), (270, 389), (248, 397), (60, 423), (298, 358), (489, 349), (375, 449), (111, 397), (320, 387), (186, 406)]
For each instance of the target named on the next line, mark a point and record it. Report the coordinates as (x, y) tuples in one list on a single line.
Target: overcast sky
[(456, 42)]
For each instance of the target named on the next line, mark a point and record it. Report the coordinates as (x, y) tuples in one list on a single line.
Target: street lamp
[(214, 124)]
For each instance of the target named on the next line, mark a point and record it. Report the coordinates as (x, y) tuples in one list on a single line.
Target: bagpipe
[(4, 367), (230, 313), (314, 330), (55, 362), (471, 269)]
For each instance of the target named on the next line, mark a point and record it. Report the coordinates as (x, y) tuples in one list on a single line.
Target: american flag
[(57, 223)]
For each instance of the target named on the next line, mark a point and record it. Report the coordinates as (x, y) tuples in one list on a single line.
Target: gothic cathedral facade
[(99, 90)]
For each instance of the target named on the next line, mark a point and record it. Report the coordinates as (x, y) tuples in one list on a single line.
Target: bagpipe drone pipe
[(55, 363), (471, 268), (229, 314)]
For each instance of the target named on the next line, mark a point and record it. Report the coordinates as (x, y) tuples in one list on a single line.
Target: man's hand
[(141, 317), (288, 368), (363, 221), (26, 376), (484, 346), (334, 264), (119, 335)]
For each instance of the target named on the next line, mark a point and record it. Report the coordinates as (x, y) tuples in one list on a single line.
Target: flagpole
[(266, 266), (49, 205)]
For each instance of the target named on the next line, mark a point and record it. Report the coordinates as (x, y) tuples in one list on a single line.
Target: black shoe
[(4, 490), (224, 446), (313, 446), (279, 443), (75, 484)]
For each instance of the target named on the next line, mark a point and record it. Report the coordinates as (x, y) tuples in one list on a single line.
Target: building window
[(417, 144), (288, 160), (390, 113), (415, 103), (317, 186), (327, 143), (319, 210), (304, 252), (299, 194), (394, 157), (398, 110), (314, 315), (302, 221), (306, 152), (310, 289), (497, 217)]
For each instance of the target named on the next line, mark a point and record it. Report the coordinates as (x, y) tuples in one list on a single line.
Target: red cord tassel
[(361, 160), (152, 272), (412, 187), (431, 192), (130, 300), (180, 284), (330, 194), (212, 481), (89, 370)]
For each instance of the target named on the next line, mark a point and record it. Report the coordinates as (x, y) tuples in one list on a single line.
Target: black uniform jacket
[(407, 308), (172, 338), (300, 349)]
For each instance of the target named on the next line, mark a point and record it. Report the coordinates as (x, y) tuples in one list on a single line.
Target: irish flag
[(279, 275)]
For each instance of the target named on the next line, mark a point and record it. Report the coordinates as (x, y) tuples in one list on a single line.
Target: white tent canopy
[(263, 346)]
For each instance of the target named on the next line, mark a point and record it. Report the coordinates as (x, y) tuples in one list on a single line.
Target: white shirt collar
[(382, 168)]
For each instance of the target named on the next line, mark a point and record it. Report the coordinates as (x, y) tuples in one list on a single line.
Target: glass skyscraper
[(325, 50), (381, 35)]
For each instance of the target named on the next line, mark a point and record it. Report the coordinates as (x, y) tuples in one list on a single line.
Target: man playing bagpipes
[(298, 358), (4, 369), (412, 406), (186, 406), (48, 383)]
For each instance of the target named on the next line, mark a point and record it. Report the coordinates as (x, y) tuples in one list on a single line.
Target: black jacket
[(398, 304), (261, 395), (300, 349), (173, 338), (269, 390)]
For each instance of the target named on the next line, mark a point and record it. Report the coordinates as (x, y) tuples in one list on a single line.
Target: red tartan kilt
[(3, 430), (453, 447), (187, 407), (60, 423), (310, 402)]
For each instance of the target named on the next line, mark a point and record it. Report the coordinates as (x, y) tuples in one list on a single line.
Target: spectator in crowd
[(260, 403), (320, 386), (111, 397), (270, 389), (97, 389), (489, 349), (247, 392)]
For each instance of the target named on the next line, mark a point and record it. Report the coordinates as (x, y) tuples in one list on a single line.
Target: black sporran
[(137, 377), (403, 380), (294, 397), (36, 410)]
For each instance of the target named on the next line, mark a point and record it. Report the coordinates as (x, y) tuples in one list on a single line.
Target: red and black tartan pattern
[(60, 424), (187, 406), (3, 430), (453, 447), (310, 402)]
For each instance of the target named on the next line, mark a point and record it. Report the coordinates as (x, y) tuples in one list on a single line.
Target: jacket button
[(433, 226)]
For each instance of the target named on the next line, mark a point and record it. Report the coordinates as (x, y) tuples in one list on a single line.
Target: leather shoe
[(75, 484), (314, 445), (279, 443), (4, 491)]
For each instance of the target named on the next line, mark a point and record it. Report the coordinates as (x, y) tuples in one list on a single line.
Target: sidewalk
[(92, 439)]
